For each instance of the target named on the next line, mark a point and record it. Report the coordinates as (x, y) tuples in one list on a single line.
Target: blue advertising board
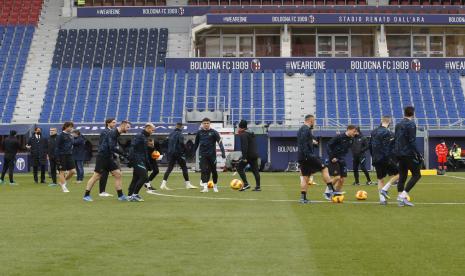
[(316, 64), (339, 14), (21, 163), (141, 11), (337, 18)]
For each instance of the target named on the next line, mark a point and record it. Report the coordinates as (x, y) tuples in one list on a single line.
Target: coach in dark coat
[(38, 146)]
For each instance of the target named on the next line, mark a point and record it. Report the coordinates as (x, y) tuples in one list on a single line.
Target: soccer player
[(309, 160), (110, 124), (442, 151), (138, 158), (52, 157), (205, 141), (153, 164), (64, 155), (249, 156), (382, 145), (408, 155), (338, 147), (176, 154), (79, 154), (106, 163), (11, 147), (359, 148)]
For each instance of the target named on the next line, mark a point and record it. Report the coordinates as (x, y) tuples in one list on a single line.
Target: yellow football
[(210, 184), (338, 199), (361, 195), (236, 184)]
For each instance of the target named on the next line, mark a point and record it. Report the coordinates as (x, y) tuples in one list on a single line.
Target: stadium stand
[(112, 62), (14, 49), (361, 98), (17, 21), (123, 67), (22, 12)]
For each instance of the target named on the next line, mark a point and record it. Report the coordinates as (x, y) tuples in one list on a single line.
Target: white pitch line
[(289, 200), (457, 177)]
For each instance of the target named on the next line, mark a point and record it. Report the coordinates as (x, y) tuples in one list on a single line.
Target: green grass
[(46, 232)]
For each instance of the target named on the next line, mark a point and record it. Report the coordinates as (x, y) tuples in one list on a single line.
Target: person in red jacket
[(441, 152)]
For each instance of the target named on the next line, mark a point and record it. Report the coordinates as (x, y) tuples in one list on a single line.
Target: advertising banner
[(300, 65), (21, 163), (337, 18)]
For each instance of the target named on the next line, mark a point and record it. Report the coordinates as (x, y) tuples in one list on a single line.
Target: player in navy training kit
[(205, 141), (309, 161), (381, 146)]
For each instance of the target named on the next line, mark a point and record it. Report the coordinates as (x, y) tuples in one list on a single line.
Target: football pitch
[(184, 232)]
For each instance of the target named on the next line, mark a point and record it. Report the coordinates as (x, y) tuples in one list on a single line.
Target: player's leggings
[(103, 181), (139, 178), (182, 163), (360, 161), (253, 166), (155, 171), (8, 165), (207, 167), (405, 164)]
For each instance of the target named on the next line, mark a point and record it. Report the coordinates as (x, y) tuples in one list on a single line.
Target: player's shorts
[(65, 162), (442, 159), (386, 168), (338, 168), (311, 166), (105, 164)]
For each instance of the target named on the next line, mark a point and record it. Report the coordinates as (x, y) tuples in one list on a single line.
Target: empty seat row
[(363, 98), (143, 94), (110, 48), (15, 43), (13, 12)]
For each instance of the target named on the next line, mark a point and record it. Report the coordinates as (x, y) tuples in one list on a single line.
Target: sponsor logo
[(255, 65), (20, 164), (416, 65), (287, 149), (311, 19)]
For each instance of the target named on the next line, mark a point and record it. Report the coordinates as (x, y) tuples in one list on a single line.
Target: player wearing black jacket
[(105, 161), (205, 141), (176, 154), (110, 124), (152, 146), (309, 160), (10, 147), (338, 147), (408, 155), (381, 145), (249, 156), (64, 155), (138, 158), (359, 149)]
